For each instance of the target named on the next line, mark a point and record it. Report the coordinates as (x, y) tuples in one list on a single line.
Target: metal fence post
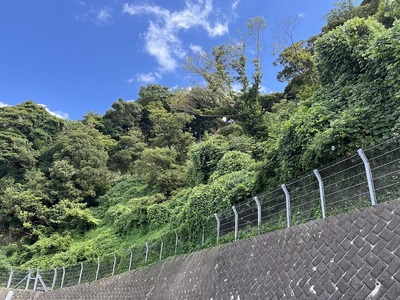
[(161, 247), (98, 268), (130, 259), (288, 214), (236, 222), (202, 238), (36, 280), (147, 252), (10, 278), (80, 273), (62, 278), (321, 192), (176, 241), (258, 214), (369, 176), (9, 296), (115, 263), (218, 226), (28, 279), (54, 279)]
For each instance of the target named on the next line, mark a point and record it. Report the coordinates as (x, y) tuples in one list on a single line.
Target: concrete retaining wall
[(350, 256)]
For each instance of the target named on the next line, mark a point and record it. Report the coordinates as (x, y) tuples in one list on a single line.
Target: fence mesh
[(227, 225), (273, 210), (305, 200), (247, 218), (4, 275), (385, 165), (345, 188), (89, 269), (210, 232), (48, 277)]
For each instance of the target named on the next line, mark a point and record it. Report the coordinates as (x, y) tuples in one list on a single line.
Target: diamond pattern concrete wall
[(350, 256)]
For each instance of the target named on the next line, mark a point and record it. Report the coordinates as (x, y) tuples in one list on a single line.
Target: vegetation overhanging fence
[(364, 178)]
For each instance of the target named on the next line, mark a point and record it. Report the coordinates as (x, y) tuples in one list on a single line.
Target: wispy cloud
[(162, 39), (58, 114), (266, 90), (103, 16), (99, 17), (235, 4), (196, 49), (237, 87), (151, 77)]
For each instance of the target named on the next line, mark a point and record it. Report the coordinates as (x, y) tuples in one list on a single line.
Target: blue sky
[(79, 56)]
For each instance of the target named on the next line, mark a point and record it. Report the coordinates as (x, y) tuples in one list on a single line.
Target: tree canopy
[(173, 157)]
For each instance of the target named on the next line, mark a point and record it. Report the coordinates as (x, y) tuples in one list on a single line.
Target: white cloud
[(196, 49), (265, 90), (237, 87), (301, 15), (97, 16), (235, 4), (58, 114), (164, 46), (130, 80), (162, 36), (218, 30), (102, 16), (151, 77)]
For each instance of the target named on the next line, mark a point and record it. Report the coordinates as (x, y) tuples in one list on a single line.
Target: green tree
[(127, 150), (232, 161), (204, 108), (79, 169), (148, 96), (344, 10), (225, 66), (169, 129), (205, 156), (155, 93), (21, 210), (160, 171), (25, 130), (340, 54), (121, 118), (358, 67), (31, 121), (17, 154)]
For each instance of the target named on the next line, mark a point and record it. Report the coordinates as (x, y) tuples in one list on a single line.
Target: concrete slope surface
[(349, 256)]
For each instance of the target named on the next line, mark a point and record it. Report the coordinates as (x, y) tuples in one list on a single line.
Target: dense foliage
[(73, 190)]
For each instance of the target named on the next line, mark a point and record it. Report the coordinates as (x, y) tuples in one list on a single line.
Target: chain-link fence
[(358, 180)]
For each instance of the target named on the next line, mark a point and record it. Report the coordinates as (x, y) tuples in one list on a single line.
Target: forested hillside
[(74, 190)]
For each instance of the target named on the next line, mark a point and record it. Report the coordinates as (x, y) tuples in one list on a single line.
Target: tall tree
[(122, 117), (79, 169), (255, 30), (344, 10), (127, 151), (160, 171), (225, 67), (148, 96), (169, 129)]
